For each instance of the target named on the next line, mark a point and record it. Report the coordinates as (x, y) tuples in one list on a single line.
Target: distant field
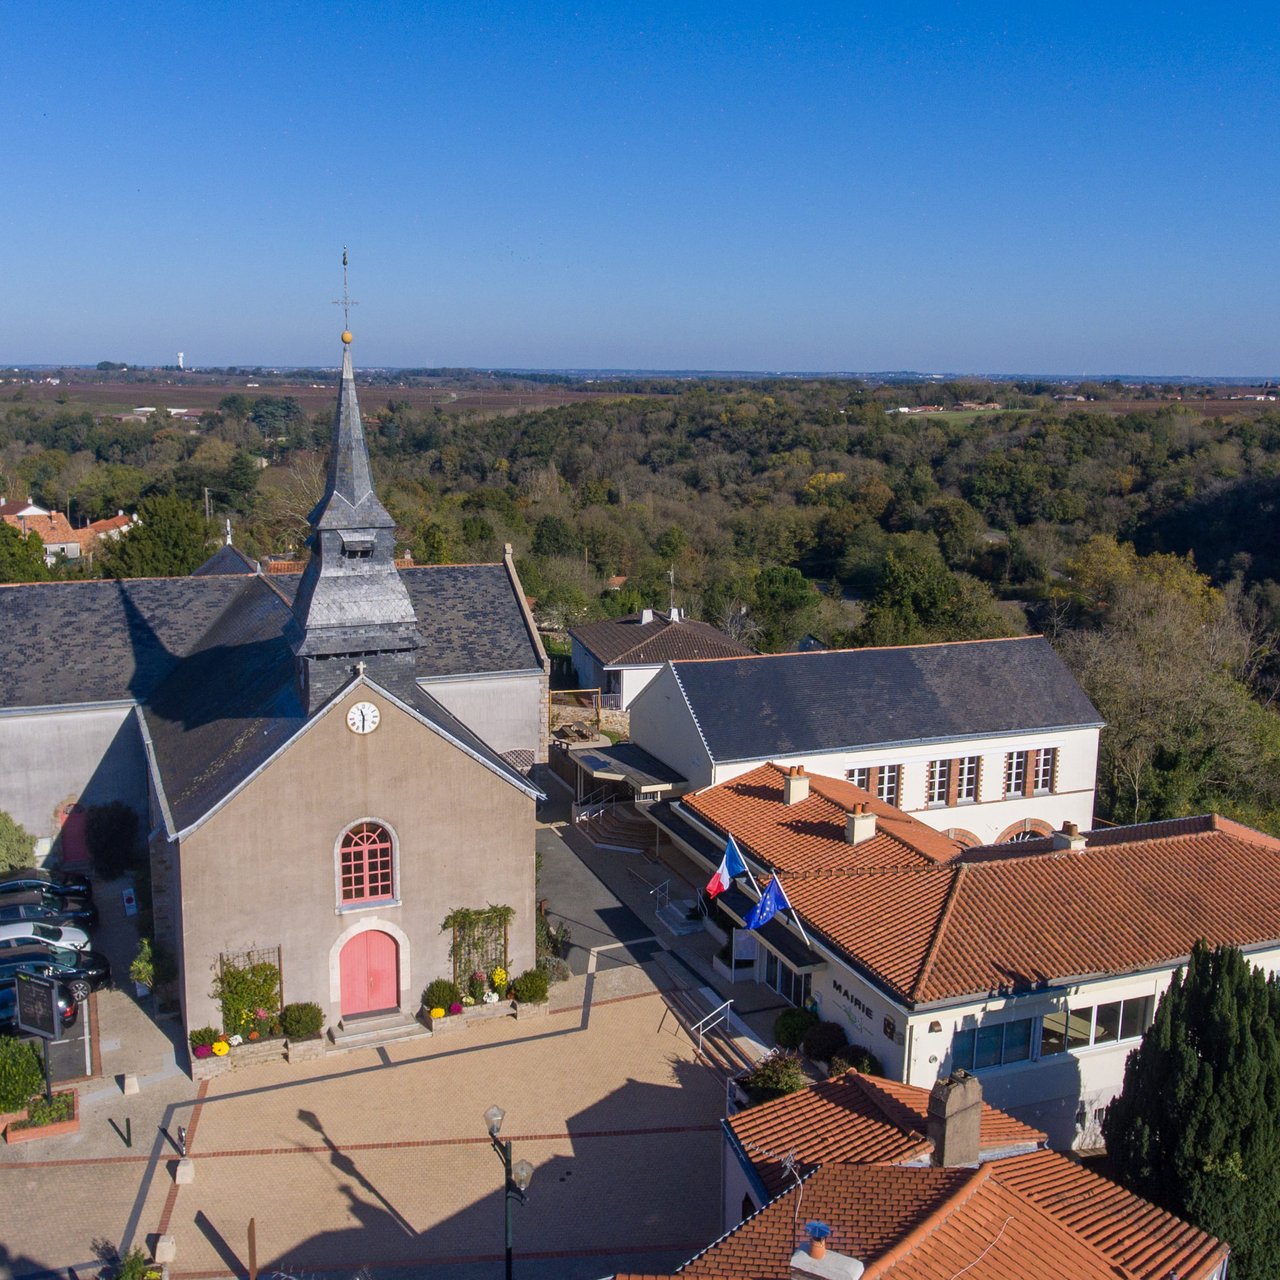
[(961, 415), (121, 397)]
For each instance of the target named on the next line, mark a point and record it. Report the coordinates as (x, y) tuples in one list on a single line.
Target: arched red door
[(369, 969)]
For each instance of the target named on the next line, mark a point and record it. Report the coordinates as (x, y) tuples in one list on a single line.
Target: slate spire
[(352, 605)]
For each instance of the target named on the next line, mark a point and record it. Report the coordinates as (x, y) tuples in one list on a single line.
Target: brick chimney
[(955, 1120), (1068, 838), (860, 824), (795, 785)]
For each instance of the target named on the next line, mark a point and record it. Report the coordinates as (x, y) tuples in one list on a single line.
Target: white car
[(25, 932)]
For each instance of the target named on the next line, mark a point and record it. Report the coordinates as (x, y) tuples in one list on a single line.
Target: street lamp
[(519, 1175)]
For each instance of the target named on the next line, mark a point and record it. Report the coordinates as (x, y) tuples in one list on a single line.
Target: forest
[(1138, 536)]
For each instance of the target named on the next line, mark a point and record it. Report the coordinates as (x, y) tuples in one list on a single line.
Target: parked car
[(81, 971), (9, 1008), (49, 907), (26, 879), (25, 932)]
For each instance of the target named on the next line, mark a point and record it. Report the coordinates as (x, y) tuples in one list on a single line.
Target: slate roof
[(66, 643), (995, 1222), (856, 1118), (227, 559), (933, 930), (628, 642), (776, 705)]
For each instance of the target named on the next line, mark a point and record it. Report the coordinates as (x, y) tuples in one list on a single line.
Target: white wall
[(506, 711), (49, 758), (662, 725), (633, 680), (989, 817)]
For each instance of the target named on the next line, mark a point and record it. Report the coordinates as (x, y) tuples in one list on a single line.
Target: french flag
[(730, 865)]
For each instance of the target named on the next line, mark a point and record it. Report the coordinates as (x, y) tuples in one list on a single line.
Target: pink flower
[(455, 1007), (203, 1051)]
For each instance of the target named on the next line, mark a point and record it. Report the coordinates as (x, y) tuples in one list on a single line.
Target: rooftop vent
[(1069, 838), (795, 785), (646, 617), (860, 824), (817, 1262)]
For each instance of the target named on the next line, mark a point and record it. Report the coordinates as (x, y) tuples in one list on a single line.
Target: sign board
[(38, 1006), (130, 900)]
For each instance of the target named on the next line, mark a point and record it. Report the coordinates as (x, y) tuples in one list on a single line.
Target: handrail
[(711, 1021), (661, 894)]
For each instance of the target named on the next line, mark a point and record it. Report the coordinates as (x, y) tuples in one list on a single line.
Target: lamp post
[(518, 1175)]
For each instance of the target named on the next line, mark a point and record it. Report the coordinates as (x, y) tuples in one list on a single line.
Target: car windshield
[(63, 955)]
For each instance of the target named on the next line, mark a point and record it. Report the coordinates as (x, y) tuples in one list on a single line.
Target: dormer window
[(356, 547)]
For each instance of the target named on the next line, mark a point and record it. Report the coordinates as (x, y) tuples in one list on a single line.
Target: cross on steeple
[(345, 302)]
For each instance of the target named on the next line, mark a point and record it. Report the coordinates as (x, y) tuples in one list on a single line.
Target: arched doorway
[(370, 976)]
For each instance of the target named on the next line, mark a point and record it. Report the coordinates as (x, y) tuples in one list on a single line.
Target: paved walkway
[(379, 1158)]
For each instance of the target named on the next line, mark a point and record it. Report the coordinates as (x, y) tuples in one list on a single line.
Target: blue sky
[(1022, 187)]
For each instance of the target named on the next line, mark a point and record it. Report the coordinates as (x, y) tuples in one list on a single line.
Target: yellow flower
[(499, 976), (437, 1013), (221, 1048)]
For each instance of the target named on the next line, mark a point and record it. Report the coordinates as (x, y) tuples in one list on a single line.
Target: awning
[(626, 762), (775, 936)]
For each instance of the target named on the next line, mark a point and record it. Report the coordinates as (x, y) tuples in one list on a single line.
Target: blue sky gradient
[(1032, 187)]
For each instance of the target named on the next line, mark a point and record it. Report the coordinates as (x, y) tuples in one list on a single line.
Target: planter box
[(309, 1050), (719, 934), (539, 1010), (739, 972), (48, 1130), (244, 1055), (456, 1021), (7, 1116)]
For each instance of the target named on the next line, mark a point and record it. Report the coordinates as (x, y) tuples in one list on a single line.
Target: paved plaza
[(379, 1158)]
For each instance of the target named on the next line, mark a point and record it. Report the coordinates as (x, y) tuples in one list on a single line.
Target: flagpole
[(795, 915)]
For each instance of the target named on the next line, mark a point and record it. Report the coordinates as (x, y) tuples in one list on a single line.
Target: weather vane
[(345, 302)]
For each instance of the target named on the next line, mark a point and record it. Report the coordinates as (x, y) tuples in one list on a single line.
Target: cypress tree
[(1196, 1127)]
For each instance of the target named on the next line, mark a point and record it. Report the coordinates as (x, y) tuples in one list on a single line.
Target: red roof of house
[(1027, 1215), (931, 927), (855, 1118), (97, 529), (53, 528), (632, 643)]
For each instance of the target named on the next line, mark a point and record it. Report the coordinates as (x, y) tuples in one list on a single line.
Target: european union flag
[(771, 902)]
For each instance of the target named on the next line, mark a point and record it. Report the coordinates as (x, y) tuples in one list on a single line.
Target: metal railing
[(710, 1022), (661, 894)]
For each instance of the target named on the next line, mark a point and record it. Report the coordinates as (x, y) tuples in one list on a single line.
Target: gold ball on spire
[(346, 337)]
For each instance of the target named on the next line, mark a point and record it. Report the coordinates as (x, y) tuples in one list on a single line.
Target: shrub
[(774, 1077), (557, 970), (21, 1074), (249, 995), (203, 1035), (301, 1021), (17, 844), (111, 832), (40, 1112), (441, 993), (530, 987), (823, 1040), (143, 968), (855, 1056), (791, 1024), (135, 1265)]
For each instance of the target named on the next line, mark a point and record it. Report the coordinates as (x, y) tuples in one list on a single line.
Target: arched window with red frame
[(367, 864)]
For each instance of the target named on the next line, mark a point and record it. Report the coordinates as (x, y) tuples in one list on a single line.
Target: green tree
[(1196, 1127), (170, 540), (21, 559), (17, 844), (785, 607), (553, 536), (921, 601)]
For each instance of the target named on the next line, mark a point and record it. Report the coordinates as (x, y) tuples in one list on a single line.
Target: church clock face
[(363, 717)]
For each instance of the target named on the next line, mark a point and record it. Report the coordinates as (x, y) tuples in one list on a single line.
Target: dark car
[(80, 971), (49, 907), (26, 879), (9, 1008)]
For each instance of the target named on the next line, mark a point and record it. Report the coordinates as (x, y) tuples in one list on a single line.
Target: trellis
[(480, 938)]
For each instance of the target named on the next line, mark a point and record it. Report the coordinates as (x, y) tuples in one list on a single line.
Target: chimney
[(646, 617), (675, 614), (860, 824), (795, 785), (1069, 838), (817, 1262), (955, 1120)]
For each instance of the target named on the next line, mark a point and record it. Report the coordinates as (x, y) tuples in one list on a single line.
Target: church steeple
[(352, 605)]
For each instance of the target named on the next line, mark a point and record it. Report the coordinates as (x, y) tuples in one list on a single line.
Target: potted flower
[(499, 980)]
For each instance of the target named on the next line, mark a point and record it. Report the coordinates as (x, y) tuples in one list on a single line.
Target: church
[(329, 763)]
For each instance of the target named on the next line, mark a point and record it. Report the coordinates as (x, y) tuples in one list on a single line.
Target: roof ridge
[(929, 1223), (939, 929), (871, 648), (693, 715)]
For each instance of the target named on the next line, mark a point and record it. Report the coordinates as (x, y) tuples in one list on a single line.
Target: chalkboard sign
[(38, 1006)]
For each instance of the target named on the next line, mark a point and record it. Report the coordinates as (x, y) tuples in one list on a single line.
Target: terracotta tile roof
[(854, 1118), (630, 642), (989, 1223), (53, 528), (96, 529), (932, 929)]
